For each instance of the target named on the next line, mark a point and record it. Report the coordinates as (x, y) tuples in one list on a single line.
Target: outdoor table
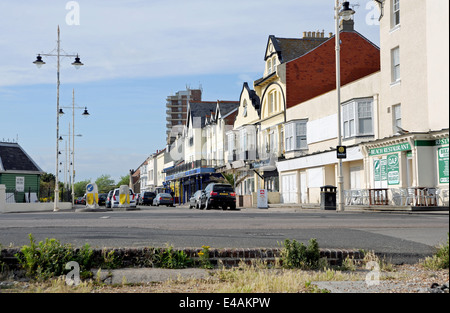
[(378, 196), (419, 196)]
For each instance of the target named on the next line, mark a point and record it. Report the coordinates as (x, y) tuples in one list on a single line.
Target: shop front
[(412, 166)]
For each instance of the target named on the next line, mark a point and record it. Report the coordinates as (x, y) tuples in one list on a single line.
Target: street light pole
[(85, 114), (77, 64), (346, 13)]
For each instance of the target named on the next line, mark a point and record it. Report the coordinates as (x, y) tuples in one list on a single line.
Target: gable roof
[(226, 107), (198, 111), (14, 159), (291, 48)]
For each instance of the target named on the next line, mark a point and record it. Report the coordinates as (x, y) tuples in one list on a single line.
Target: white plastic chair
[(398, 197), (431, 196), (364, 196), (443, 196), (411, 198)]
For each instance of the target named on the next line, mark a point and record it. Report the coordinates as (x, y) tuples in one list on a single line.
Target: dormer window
[(269, 66)]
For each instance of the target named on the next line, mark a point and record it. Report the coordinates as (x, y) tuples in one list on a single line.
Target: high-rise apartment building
[(176, 111)]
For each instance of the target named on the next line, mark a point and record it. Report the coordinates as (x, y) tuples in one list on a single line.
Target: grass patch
[(439, 260)]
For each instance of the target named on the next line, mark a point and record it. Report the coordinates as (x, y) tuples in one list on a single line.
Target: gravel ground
[(402, 279), (405, 279)]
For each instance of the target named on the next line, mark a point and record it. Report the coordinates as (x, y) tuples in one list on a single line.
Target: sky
[(135, 54)]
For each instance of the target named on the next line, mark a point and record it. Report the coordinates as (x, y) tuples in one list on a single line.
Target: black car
[(195, 200), (218, 195), (102, 198), (146, 198)]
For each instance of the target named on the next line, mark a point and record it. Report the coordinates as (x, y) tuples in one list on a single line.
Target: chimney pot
[(304, 34)]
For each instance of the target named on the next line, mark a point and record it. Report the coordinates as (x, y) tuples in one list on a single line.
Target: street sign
[(262, 199), (341, 152), (91, 196)]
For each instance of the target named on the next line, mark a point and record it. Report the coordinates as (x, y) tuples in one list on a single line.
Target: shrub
[(297, 255), (440, 260), (48, 258), (173, 259)]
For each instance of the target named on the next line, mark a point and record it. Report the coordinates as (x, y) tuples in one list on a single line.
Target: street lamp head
[(77, 62), (85, 113), (39, 61), (346, 13)]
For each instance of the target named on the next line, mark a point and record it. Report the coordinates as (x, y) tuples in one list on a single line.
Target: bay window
[(357, 118)]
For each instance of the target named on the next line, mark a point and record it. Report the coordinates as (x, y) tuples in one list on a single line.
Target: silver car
[(115, 198), (164, 199), (195, 201)]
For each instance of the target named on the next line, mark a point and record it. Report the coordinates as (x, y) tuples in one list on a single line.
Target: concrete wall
[(28, 207)]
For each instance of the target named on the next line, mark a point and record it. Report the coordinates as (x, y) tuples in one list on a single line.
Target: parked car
[(115, 198), (146, 198), (80, 200), (218, 195), (164, 199), (195, 200), (109, 199), (102, 198)]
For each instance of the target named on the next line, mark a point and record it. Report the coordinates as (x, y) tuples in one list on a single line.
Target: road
[(402, 237)]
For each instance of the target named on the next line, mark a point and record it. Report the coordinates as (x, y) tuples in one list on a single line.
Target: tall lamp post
[(39, 62), (85, 114), (345, 13)]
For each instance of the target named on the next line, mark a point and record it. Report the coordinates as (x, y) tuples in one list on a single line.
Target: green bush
[(173, 259), (48, 258), (297, 255), (440, 260)]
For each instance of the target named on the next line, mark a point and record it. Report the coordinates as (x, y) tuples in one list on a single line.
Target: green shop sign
[(443, 165), (390, 149), (393, 169)]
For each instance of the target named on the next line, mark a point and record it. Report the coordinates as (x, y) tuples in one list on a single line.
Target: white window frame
[(269, 66), (295, 135), (395, 13), (396, 117), (354, 113), (272, 103), (395, 65)]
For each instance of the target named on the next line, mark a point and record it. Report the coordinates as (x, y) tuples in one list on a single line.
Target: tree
[(80, 187), (105, 183), (47, 186), (124, 180)]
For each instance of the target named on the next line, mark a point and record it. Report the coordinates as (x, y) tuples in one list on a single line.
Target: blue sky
[(136, 53)]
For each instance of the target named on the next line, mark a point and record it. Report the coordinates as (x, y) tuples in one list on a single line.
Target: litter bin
[(328, 198)]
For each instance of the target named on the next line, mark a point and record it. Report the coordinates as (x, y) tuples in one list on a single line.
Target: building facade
[(412, 147), (19, 173), (176, 109), (393, 135)]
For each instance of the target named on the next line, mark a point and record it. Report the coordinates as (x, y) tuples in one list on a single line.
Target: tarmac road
[(402, 237)]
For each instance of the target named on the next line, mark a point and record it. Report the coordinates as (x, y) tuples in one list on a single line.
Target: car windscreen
[(226, 188), (165, 195)]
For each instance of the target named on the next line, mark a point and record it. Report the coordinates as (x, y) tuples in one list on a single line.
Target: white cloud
[(121, 38)]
